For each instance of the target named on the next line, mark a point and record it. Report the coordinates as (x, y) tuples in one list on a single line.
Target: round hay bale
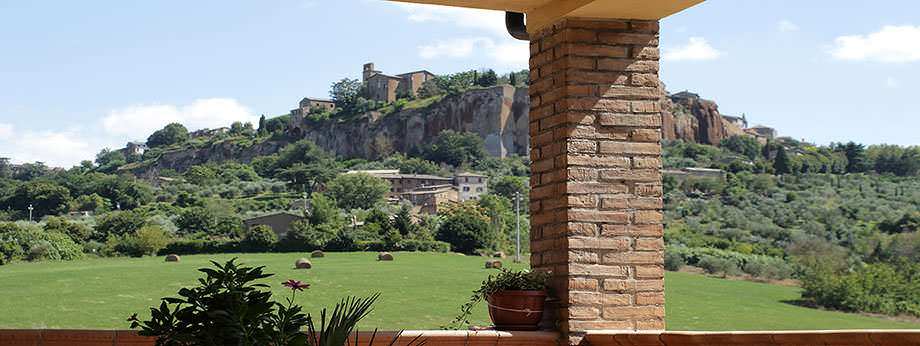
[(317, 254), (172, 258), (493, 264), (498, 254), (303, 263), (384, 256)]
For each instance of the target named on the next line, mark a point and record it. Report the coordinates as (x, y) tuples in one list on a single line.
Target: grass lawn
[(418, 291)]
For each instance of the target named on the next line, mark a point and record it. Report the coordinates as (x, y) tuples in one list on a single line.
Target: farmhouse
[(279, 222)]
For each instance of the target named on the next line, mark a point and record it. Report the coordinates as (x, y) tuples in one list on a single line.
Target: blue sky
[(76, 77)]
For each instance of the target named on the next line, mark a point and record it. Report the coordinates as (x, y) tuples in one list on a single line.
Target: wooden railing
[(34, 337)]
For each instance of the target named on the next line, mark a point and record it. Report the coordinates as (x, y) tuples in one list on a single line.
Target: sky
[(80, 76)]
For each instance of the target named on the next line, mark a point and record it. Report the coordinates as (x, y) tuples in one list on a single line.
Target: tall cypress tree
[(781, 163)]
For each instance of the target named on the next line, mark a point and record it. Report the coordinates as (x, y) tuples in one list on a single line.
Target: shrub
[(29, 242), (118, 223), (877, 288), (673, 262), (716, 265), (200, 246), (466, 229), (260, 238)]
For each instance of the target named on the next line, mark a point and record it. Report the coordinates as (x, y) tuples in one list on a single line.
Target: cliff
[(497, 114)]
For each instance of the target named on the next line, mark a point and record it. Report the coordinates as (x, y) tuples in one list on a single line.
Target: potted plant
[(515, 300)]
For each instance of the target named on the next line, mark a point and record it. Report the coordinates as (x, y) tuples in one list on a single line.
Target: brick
[(648, 190), (630, 174), (650, 298), (582, 201), (617, 299), (629, 148), (633, 312), (579, 187), (627, 65), (644, 39), (658, 324), (581, 147), (598, 161), (649, 272), (598, 24), (644, 26), (580, 49), (582, 174), (646, 203), (653, 230), (646, 135), (598, 270), (603, 78), (599, 325), (583, 284), (613, 119), (629, 93), (643, 217), (583, 257), (598, 216), (585, 298), (645, 80), (649, 244), (646, 106), (614, 203), (650, 53), (646, 162), (583, 312), (619, 244), (633, 257), (581, 229)]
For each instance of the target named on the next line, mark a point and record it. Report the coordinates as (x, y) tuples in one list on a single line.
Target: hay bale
[(303, 263), (317, 254), (498, 254), (384, 256), (172, 258), (493, 264)]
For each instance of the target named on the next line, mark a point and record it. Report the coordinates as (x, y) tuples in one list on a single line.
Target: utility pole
[(30, 212), (517, 226)]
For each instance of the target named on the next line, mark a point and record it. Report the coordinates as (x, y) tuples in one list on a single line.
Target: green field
[(418, 291)]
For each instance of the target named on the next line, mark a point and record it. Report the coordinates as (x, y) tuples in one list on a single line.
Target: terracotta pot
[(516, 310)]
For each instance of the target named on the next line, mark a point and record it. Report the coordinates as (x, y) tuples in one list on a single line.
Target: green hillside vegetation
[(418, 291)]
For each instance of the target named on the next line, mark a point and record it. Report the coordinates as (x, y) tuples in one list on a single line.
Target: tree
[(6, 168), (262, 130), (402, 221), (197, 219), (487, 78), (358, 190), (260, 238), (856, 157), (509, 186), (456, 148), (173, 133), (124, 191), (201, 175), (118, 223), (107, 160), (324, 211), (466, 229), (238, 128), (744, 145), (306, 177), (782, 164), (46, 198), (345, 92)]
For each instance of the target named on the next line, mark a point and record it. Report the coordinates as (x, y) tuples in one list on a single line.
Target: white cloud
[(892, 83), (786, 26), (891, 44), (54, 148), (490, 38), (492, 21), (505, 53), (137, 122), (696, 49)]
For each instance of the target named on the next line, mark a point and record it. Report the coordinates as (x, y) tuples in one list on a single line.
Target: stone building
[(135, 149), (429, 199), (471, 185), (761, 132), (279, 222), (387, 88), (309, 104)]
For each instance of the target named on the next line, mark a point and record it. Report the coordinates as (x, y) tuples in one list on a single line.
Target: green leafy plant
[(228, 308), (506, 280)]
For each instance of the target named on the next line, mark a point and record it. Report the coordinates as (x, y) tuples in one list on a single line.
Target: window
[(466, 189), (478, 189)]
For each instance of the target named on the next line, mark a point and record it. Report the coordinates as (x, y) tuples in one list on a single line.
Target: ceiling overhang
[(541, 13)]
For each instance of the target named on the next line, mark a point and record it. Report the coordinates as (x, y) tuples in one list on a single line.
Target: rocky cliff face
[(498, 115), (688, 117)]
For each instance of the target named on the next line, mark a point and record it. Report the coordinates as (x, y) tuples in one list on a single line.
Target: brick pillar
[(595, 128)]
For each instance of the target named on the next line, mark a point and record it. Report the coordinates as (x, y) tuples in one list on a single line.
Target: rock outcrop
[(688, 117), (497, 114)]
